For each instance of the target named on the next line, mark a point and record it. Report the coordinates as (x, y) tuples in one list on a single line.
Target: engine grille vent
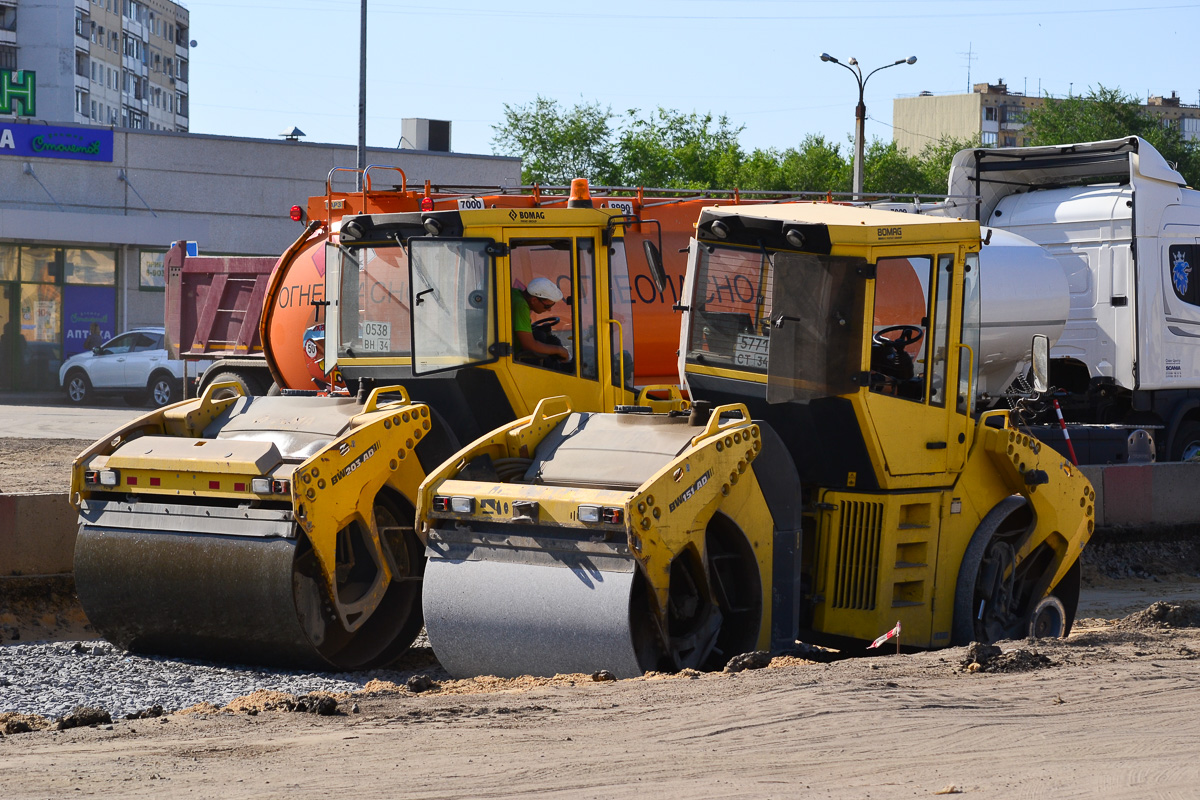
[(857, 570)]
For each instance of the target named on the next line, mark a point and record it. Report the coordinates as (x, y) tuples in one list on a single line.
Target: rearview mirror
[(654, 259), (1040, 350)]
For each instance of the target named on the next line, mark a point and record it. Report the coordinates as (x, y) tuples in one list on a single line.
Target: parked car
[(134, 365)]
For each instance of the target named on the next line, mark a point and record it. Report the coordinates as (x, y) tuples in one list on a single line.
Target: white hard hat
[(545, 289)]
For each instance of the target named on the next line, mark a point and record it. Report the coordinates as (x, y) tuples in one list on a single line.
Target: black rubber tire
[(164, 389), (963, 626), (78, 388), (247, 383), (1187, 438)]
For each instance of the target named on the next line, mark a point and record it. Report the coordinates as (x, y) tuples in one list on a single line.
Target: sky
[(262, 66)]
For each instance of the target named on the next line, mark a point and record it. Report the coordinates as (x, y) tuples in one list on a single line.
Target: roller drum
[(200, 595), (510, 618)]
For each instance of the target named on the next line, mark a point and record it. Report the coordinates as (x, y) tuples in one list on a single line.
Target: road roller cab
[(833, 481)]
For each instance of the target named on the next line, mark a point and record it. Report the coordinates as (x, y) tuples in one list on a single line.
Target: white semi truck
[(1125, 229)]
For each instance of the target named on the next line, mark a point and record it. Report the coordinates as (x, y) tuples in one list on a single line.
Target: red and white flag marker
[(892, 634)]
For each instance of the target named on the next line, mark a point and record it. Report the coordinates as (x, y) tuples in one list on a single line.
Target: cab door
[(913, 402), (568, 258)]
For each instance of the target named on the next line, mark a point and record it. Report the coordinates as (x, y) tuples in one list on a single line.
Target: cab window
[(899, 344), (549, 258)]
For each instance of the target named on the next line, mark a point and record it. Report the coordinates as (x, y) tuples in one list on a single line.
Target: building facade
[(121, 63), (997, 116), (87, 213)]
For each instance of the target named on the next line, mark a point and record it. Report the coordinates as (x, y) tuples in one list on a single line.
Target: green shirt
[(520, 317)]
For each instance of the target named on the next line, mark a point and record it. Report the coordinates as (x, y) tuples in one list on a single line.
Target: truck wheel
[(1186, 446), (247, 384), (79, 388), (164, 389)]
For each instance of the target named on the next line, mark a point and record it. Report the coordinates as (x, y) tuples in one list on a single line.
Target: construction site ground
[(1110, 712)]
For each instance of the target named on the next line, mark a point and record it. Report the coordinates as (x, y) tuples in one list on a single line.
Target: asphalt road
[(48, 416)]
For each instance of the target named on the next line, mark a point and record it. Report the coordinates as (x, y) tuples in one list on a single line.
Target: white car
[(134, 364)]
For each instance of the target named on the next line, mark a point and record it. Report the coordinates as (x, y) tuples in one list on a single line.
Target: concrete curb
[(37, 534)]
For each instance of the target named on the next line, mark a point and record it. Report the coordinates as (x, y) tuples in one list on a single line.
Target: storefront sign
[(18, 92), (82, 306), (45, 141)]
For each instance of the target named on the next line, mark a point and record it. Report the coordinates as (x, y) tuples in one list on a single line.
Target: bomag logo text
[(527, 216), (888, 233)]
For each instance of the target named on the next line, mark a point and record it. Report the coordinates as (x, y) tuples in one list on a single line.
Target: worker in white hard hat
[(538, 297)]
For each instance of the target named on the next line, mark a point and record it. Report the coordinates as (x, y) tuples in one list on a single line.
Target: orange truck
[(248, 315)]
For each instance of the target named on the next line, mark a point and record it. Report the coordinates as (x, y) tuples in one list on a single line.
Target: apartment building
[(997, 116), (121, 63)]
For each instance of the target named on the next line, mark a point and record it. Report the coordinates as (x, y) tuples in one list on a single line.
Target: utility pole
[(362, 94)]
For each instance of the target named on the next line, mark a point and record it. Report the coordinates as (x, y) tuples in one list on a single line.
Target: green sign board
[(18, 94)]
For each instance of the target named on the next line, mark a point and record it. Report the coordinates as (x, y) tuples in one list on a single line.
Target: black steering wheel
[(908, 335), (544, 324)]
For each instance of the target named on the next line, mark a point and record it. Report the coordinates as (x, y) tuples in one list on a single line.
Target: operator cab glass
[(374, 317), (552, 259), (793, 318), (453, 319), (620, 306)]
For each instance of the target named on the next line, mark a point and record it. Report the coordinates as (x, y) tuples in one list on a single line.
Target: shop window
[(92, 267), (41, 325), (153, 276), (8, 262), (40, 264)]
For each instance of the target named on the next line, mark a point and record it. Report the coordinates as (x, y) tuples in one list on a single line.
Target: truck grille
[(856, 573)]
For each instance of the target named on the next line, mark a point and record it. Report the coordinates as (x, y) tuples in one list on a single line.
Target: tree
[(818, 166), (935, 161), (889, 170), (680, 151), (1110, 114), (557, 144), (671, 149)]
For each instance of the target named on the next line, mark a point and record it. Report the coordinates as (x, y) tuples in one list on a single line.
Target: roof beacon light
[(296, 213), (581, 195)]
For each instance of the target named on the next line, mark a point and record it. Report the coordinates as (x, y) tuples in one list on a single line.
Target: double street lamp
[(860, 111)]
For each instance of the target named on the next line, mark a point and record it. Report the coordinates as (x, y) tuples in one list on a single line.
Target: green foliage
[(1105, 113), (556, 144), (680, 151), (671, 149)]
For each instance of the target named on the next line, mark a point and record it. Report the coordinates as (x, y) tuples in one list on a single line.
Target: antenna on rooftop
[(969, 56)]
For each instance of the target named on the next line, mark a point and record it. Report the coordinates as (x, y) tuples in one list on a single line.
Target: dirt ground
[(1110, 712), (38, 465)]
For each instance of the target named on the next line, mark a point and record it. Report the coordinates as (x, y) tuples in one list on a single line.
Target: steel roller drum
[(200, 595), (508, 618)]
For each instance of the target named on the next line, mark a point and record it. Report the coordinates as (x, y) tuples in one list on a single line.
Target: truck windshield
[(453, 302), (375, 319)]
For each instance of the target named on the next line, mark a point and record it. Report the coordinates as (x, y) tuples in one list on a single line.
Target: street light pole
[(362, 93), (860, 111)]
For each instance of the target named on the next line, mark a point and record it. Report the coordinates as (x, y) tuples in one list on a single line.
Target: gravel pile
[(52, 679)]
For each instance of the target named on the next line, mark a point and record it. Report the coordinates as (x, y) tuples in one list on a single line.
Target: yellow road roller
[(833, 480), (280, 529)]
